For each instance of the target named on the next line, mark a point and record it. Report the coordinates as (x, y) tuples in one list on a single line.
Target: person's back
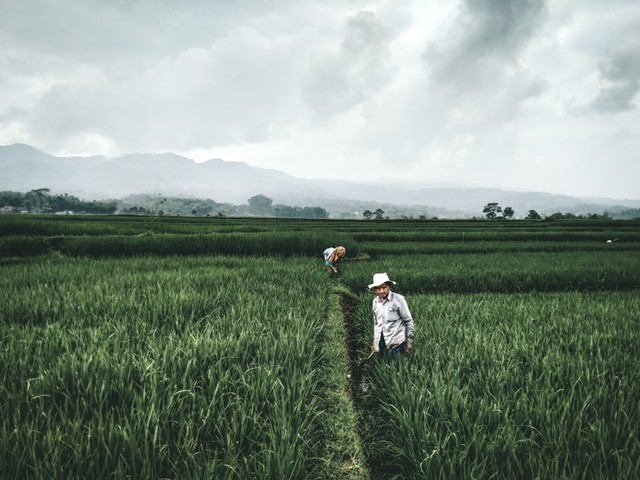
[(327, 253), (332, 256)]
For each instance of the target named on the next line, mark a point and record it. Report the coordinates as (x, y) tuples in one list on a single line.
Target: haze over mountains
[(24, 168)]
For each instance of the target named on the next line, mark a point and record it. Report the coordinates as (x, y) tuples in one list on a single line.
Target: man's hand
[(409, 347)]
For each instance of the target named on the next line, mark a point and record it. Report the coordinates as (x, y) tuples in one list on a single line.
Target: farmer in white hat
[(392, 321)]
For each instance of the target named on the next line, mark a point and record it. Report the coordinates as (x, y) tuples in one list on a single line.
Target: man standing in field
[(392, 321)]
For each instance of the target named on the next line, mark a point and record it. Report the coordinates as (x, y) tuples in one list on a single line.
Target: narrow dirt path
[(354, 343)]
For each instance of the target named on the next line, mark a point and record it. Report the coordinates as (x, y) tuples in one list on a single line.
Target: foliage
[(152, 204), (285, 211), (509, 386), (533, 215), (491, 210), (41, 201), (260, 204), (377, 215), (508, 212), (629, 213), (572, 216), (184, 347), (170, 368)]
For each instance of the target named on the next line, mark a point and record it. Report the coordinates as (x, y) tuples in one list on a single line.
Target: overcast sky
[(522, 94)]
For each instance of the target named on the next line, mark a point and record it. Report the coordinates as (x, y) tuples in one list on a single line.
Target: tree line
[(40, 200), (493, 211)]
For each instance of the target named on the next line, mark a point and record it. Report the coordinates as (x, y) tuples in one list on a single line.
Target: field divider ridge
[(354, 343), (343, 439)]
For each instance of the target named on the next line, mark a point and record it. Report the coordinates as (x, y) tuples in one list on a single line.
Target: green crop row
[(513, 234), (284, 244), (274, 243), (95, 225), (212, 348), (362, 231), (501, 386), (22, 236), (382, 249), (501, 272), (177, 367)]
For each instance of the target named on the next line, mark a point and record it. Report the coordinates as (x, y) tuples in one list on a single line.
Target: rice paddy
[(221, 348)]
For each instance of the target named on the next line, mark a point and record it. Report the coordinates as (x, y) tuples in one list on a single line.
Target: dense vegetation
[(42, 201), (173, 347)]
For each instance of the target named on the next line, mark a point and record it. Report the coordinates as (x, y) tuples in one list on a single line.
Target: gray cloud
[(474, 82), (200, 96), (478, 64), (353, 72), (233, 72), (621, 73), (487, 37), (112, 32)]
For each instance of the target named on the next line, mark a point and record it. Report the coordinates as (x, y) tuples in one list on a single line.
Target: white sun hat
[(380, 279)]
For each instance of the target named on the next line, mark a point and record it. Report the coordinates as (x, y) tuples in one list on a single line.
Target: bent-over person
[(332, 256)]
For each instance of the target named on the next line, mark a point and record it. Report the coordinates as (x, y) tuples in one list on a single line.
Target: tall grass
[(509, 386), (128, 236), (215, 348), (503, 272), (285, 244), (380, 250), (207, 367)]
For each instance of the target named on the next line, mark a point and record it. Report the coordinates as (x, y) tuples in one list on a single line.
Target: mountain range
[(24, 168)]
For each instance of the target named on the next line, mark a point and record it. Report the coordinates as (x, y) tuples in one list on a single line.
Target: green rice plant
[(98, 225), (362, 231), (502, 272), (379, 250), (177, 367), (509, 386), (511, 234), (130, 351), (283, 244)]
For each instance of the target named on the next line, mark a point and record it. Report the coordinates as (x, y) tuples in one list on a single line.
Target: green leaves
[(177, 367), (510, 386)]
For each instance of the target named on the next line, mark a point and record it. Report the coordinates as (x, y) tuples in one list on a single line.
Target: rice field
[(509, 386), (167, 368), (220, 348)]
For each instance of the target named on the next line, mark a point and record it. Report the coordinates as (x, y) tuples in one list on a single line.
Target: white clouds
[(235, 91), (480, 91), (87, 144), (437, 119), (13, 132)]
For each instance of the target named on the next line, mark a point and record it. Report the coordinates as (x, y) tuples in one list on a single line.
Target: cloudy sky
[(519, 94)]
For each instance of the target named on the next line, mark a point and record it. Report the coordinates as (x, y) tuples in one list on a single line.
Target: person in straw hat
[(332, 256), (392, 321)]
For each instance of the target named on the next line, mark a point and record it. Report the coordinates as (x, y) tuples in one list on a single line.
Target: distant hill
[(24, 168)]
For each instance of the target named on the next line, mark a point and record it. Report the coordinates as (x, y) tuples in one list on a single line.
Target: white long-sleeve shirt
[(392, 319)]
